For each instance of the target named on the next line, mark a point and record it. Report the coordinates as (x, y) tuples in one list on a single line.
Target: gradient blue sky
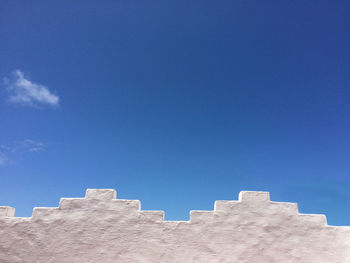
[(176, 103)]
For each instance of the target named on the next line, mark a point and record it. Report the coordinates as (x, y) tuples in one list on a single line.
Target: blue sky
[(176, 103)]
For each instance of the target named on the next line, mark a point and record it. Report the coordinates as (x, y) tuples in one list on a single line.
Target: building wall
[(101, 228)]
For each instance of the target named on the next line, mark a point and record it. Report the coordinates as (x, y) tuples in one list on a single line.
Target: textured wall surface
[(101, 228)]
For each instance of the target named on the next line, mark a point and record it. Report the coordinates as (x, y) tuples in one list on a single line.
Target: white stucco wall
[(101, 228)]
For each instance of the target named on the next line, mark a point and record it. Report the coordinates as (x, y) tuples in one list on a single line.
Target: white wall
[(100, 228)]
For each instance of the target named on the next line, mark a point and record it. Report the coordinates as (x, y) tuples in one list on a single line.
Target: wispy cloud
[(3, 159), (8, 153), (27, 93), (33, 146)]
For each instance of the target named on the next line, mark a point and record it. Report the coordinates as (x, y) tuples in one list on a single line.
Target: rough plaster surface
[(101, 228)]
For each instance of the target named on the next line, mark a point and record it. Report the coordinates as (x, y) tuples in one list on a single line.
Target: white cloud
[(25, 92)]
